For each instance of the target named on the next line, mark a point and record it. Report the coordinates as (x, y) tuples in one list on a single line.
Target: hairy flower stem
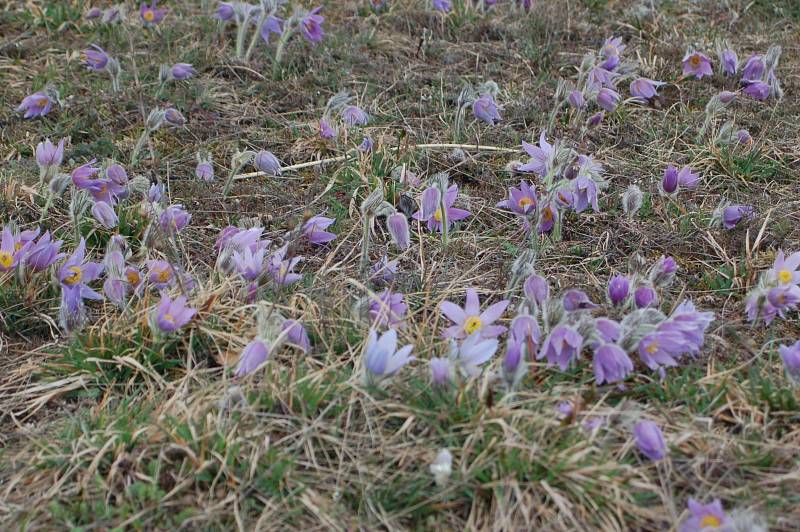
[(280, 50), (365, 244), (445, 228), (254, 38), (229, 181), (48, 203), (240, 36), (139, 145)]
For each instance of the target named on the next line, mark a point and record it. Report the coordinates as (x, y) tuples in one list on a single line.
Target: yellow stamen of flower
[(710, 521), (547, 215), (472, 324), (133, 277), (438, 215), (524, 202), (785, 276), (41, 102), (149, 15), (17, 246), (694, 60), (169, 318), (163, 275), (652, 348), (75, 277), (6, 259)]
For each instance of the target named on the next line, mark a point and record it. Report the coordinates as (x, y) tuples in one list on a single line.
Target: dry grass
[(113, 429)]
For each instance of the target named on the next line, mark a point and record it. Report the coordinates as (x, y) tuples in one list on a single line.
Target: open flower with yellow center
[(470, 319), (784, 271), (171, 314), (431, 212), (521, 201), (697, 64), (151, 15), (706, 517)]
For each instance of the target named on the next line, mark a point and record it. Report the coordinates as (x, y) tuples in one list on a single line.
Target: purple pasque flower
[(697, 64), (74, 276), (645, 296), (562, 346), (93, 13), (41, 254), (311, 26), (470, 319), (757, 90), (398, 229), (382, 358), (388, 311), (431, 212), (49, 155), (315, 230), (726, 97), (281, 268), (296, 334), (548, 216), (354, 116), (526, 334), (611, 364), (783, 298), (536, 289), (174, 219), (442, 5), (155, 193), (706, 517), (271, 25), (754, 68), (151, 14), (472, 353), (743, 136), (326, 130), (576, 300), (366, 145), (485, 109), (563, 197), (609, 330), (266, 162), (442, 371), (600, 77), (160, 273), (607, 99), (10, 252), (595, 120), (663, 272), (383, 271), (584, 194), (618, 289), (690, 324), (94, 58), (182, 71), (102, 189), (733, 214), (224, 11), (784, 270), (576, 99), (729, 62), (790, 354), (252, 357), (661, 347), (36, 104), (171, 314), (522, 200), (104, 214), (117, 174), (116, 285), (644, 89), (612, 48), (204, 171), (650, 440), (173, 117), (249, 264), (542, 156)]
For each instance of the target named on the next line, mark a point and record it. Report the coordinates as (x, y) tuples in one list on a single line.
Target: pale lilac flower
[(117, 174), (151, 15), (790, 354), (48, 155), (311, 25), (644, 89), (266, 162), (441, 371), (282, 269), (663, 272), (784, 270), (595, 120), (650, 440), (382, 358), (174, 219), (729, 62), (105, 215), (576, 99), (600, 77), (73, 276), (224, 11), (383, 271), (522, 200), (172, 314), (706, 518), (585, 194), (94, 58), (204, 171), (36, 104), (252, 357), (669, 183), (354, 116), (697, 64), (611, 364), (93, 13), (757, 90), (576, 300), (564, 198), (314, 230), (562, 346), (388, 311), (542, 156), (366, 145), (296, 334), (173, 117), (608, 99), (611, 51), (470, 319), (526, 334), (609, 330), (271, 25), (431, 211), (784, 298), (727, 96), (40, 255), (645, 296), (249, 264), (733, 214), (10, 252), (743, 136), (474, 352), (182, 71), (398, 229), (442, 5), (548, 216), (687, 178), (160, 273), (753, 69), (662, 347), (536, 289), (326, 130), (618, 288), (485, 109), (154, 193)]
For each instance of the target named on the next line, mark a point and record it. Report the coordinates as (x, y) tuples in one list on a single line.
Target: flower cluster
[(777, 292)]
